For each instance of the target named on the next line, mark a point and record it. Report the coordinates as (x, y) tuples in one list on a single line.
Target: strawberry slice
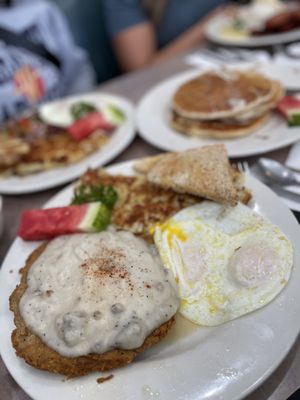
[(86, 125)]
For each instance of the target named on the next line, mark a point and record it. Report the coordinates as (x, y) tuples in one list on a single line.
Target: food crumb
[(105, 378)]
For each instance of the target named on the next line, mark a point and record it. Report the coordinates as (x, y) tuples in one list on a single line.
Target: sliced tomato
[(86, 125), (288, 104), (40, 224)]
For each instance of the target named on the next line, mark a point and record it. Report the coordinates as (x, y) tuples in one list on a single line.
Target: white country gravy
[(90, 293)]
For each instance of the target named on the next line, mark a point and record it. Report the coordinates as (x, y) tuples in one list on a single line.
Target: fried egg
[(227, 261)]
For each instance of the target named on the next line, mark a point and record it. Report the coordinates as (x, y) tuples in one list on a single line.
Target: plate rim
[(129, 128), (128, 164)]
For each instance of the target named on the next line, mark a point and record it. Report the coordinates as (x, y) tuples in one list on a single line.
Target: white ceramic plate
[(290, 196), (154, 111), (214, 27), (119, 140), (288, 73), (225, 362)]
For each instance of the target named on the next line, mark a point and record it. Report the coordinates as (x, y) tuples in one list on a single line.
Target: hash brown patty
[(140, 204)]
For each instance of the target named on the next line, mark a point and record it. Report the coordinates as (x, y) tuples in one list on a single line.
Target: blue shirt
[(178, 16), (40, 22)]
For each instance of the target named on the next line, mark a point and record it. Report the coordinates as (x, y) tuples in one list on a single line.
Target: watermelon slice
[(289, 107), (83, 127), (40, 224)]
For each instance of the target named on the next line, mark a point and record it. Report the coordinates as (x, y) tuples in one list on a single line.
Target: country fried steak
[(37, 354)]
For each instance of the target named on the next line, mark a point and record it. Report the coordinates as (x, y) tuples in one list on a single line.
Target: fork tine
[(246, 167), (239, 166), (242, 166)]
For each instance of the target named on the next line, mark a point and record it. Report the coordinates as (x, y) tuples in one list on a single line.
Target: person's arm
[(135, 47)]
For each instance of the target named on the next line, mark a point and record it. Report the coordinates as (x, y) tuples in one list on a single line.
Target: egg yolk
[(172, 230)]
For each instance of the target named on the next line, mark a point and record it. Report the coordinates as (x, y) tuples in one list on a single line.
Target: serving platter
[(153, 115), (192, 362), (118, 141)]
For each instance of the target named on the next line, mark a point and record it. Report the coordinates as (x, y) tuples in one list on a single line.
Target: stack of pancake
[(224, 104)]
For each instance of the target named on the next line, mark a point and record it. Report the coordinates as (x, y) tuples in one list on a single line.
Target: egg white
[(227, 261)]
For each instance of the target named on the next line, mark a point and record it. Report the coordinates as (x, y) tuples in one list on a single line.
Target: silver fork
[(243, 167)]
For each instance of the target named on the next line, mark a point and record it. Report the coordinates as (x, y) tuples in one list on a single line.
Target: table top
[(286, 378)]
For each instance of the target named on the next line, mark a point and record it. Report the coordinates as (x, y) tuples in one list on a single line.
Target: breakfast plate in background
[(153, 117), (228, 361), (213, 33), (260, 23), (57, 113)]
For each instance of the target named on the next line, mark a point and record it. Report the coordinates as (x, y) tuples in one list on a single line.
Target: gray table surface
[(287, 377)]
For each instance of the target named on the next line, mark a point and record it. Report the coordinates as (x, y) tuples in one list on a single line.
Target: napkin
[(212, 59), (201, 59)]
